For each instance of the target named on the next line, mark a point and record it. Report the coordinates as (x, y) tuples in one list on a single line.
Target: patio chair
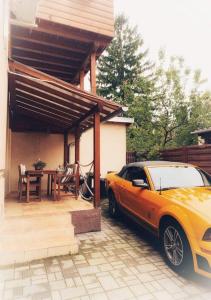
[(26, 180), (67, 180)]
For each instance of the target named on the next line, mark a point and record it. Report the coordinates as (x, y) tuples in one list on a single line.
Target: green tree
[(181, 106), (123, 65)]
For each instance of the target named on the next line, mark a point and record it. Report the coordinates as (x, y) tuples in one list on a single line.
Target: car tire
[(176, 248), (113, 206)]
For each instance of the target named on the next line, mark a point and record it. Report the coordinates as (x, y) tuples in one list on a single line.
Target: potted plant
[(39, 165)]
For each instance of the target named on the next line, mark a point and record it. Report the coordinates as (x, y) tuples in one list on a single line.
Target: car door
[(133, 198)]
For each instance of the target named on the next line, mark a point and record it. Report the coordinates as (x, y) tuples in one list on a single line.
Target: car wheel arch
[(171, 217)]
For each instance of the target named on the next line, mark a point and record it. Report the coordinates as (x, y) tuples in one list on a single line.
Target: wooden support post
[(77, 156), (93, 72), (66, 149), (97, 159), (82, 74)]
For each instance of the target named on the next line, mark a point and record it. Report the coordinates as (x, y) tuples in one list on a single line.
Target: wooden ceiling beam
[(50, 98), (86, 61), (19, 51), (60, 113), (23, 123), (54, 91), (46, 43), (37, 63), (85, 117), (49, 40), (41, 116), (47, 50), (65, 109), (48, 69), (43, 110), (64, 87)]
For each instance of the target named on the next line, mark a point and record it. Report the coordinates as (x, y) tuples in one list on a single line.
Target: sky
[(181, 27)]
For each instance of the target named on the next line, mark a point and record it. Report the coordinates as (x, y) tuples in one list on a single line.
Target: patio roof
[(49, 103), (56, 49)]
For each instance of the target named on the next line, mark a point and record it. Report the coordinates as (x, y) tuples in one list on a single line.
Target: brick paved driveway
[(121, 262)]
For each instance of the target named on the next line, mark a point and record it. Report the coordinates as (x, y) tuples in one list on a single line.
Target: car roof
[(154, 163)]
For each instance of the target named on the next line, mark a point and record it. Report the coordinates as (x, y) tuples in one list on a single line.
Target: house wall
[(112, 147), (26, 148), (3, 97), (91, 15)]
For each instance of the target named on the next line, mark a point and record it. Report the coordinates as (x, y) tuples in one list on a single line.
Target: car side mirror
[(140, 183)]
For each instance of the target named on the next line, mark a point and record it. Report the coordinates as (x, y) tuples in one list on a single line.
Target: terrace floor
[(13, 208), (120, 262)]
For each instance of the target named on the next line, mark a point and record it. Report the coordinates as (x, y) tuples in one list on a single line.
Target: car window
[(124, 174), (135, 173), (170, 177), (120, 174)]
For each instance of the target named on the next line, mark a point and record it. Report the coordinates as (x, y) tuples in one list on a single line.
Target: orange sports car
[(173, 201)]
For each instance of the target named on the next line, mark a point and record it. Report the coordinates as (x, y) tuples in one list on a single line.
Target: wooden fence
[(199, 155), (131, 156)]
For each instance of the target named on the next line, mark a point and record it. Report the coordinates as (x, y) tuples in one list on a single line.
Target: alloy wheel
[(173, 245)]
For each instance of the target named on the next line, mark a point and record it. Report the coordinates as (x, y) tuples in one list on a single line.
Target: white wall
[(27, 147), (112, 147), (3, 97)]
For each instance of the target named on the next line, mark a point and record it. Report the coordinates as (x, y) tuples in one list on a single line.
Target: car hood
[(197, 198)]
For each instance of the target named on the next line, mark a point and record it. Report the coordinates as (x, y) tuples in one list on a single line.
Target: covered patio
[(39, 102), (42, 109)]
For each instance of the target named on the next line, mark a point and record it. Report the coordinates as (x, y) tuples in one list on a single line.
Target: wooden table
[(52, 174)]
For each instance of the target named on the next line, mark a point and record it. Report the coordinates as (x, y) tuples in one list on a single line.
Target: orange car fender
[(113, 188), (179, 215)]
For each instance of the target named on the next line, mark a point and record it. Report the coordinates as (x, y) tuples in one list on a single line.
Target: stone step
[(33, 237), (34, 223)]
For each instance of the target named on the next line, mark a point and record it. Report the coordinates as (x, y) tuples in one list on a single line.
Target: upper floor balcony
[(68, 32)]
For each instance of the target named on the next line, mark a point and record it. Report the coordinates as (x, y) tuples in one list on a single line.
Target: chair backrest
[(71, 169), (22, 171), (74, 168)]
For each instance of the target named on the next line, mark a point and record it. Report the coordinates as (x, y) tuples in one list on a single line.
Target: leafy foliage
[(166, 100), (181, 106)]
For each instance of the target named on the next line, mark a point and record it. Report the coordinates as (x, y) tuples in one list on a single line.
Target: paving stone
[(162, 295), (99, 296), (69, 282), (88, 270), (57, 285), (117, 263), (17, 283), (139, 290), (55, 295), (120, 294), (108, 282), (70, 293)]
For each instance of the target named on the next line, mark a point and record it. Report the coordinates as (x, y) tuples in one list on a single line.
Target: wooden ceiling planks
[(62, 105), (57, 49), (93, 16), (66, 32)]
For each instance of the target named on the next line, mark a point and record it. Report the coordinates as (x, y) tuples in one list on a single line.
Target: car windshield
[(171, 177)]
